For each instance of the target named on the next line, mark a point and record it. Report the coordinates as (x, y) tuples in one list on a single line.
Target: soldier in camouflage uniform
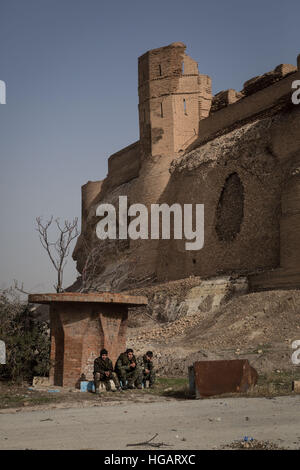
[(148, 369), (103, 372), (128, 369)]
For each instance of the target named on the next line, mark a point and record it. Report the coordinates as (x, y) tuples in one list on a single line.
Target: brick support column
[(78, 332), (113, 320), (57, 347), (75, 319)]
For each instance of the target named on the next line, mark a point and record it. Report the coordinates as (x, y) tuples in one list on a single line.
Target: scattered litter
[(252, 444), (47, 419)]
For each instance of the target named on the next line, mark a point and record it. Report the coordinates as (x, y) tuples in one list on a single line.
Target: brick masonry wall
[(78, 333), (253, 134)]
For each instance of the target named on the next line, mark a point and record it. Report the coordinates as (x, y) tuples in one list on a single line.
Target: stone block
[(41, 382), (296, 386)]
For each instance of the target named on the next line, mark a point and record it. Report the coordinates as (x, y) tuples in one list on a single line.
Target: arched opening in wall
[(159, 70), (230, 209)]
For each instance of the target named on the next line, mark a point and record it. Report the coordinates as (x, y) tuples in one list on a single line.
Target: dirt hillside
[(259, 326)]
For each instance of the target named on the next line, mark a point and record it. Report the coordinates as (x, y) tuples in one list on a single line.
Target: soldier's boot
[(138, 378), (122, 378), (97, 383), (115, 380), (130, 380), (108, 385), (145, 377), (152, 380)]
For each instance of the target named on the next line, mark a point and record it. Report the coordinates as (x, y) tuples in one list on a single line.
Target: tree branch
[(59, 250)]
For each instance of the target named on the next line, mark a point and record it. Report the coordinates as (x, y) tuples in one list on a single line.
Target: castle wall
[(290, 225), (89, 191), (239, 181), (124, 165), (173, 97), (245, 109), (191, 103), (239, 158)]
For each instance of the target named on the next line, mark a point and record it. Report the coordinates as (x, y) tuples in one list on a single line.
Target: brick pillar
[(92, 343), (78, 332), (75, 319), (57, 347), (113, 319)]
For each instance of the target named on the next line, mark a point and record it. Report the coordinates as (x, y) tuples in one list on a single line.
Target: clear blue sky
[(70, 67)]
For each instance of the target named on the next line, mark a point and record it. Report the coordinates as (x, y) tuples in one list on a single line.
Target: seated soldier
[(128, 369), (103, 372), (148, 369)]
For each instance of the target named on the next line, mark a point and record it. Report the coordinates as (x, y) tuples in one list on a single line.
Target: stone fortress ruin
[(238, 153)]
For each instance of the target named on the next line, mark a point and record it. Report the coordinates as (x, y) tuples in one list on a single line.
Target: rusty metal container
[(217, 377)]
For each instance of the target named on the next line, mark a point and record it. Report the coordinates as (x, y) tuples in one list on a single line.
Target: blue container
[(87, 386), (91, 386), (83, 385)]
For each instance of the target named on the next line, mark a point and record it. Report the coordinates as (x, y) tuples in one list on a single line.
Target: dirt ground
[(177, 425), (19, 397)]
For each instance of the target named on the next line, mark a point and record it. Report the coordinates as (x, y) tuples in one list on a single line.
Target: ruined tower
[(173, 98)]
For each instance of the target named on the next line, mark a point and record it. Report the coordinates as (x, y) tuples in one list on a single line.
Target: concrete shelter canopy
[(104, 297)]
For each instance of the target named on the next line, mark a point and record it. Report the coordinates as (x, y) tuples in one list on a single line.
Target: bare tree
[(59, 250), (20, 288), (90, 267)]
